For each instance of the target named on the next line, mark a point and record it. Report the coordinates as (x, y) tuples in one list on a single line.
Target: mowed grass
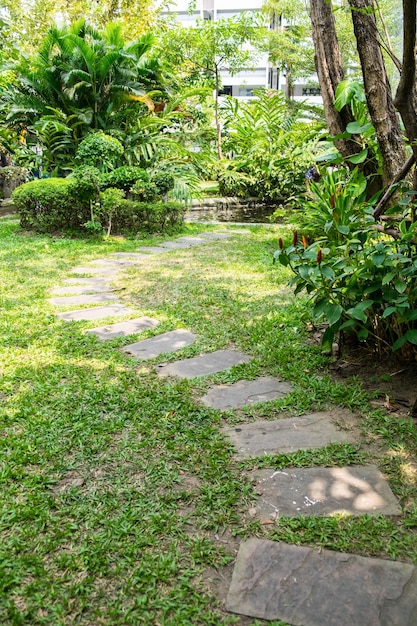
[(120, 496)]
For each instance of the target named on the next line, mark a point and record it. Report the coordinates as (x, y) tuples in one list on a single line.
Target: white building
[(240, 85)]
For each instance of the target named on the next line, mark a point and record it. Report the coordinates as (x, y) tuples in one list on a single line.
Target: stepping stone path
[(246, 392), (94, 298), (306, 587), (94, 314), (271, 580), (205, 364), (316, 491), (167, 342), (123, 329), (287, 435)]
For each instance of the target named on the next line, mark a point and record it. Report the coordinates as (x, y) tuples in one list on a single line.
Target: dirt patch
[(394, 384)]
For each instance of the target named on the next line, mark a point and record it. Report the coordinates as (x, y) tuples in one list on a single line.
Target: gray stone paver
[(107, 271), (176, 245), (306, 587), (191, 241), (123, 329), (91, 282), (215, 235), (94, 298), (321, 491), (154, 250), (204, 364), (166, 342), (130, 255), (78, 289), (94, 313), (287, 435), (246, 392)]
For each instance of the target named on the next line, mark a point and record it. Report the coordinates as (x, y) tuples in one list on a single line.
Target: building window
[(226, 90)]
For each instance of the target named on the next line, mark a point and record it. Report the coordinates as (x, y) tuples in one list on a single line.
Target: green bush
[(55, 204), (50, 204), (361, 281), (129, 217), (99, 150), (122, 177)]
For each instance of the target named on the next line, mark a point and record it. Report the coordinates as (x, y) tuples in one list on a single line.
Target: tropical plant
[(270, 144), (361, 280), (82, 79)]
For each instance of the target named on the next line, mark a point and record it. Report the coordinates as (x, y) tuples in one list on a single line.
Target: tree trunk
[(377, 90), (329, 68), (406, 97), (216, 113)]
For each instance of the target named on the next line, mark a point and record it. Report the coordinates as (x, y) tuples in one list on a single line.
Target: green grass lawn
[(120, 497)]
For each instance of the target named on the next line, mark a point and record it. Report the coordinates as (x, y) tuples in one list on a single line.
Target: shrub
[(55, 204), (122, 177), (50, 204), (361, 281), (128, 216), (99, 150)]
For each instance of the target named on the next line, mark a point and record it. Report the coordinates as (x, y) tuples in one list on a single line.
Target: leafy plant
[(360, 280), (99, 150), (272, 147)]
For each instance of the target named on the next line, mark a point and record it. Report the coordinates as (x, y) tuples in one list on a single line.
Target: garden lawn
[(121, 501)]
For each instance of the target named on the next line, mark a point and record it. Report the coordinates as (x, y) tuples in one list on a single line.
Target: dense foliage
[(361, 280), (76, 204)]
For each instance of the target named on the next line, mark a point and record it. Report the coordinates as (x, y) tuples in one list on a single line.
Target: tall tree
[(203, 52), (377, 89), (370, 44)]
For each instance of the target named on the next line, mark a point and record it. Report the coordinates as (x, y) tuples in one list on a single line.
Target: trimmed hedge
[(50, 204), (55, 204)]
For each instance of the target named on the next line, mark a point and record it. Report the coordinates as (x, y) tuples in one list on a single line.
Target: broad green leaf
[(400, 286), (411, 336), (327, 340), (389, 311), (345, 230), (399, 343), (332, 313), (360, 157), (355, 128), (363, 334), (388, 278), (378, 258)]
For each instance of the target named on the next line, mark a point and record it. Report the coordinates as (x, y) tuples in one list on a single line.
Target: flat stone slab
[(94, 298), (107, 271), (95, 313), (191, 241), (92, 282), (123, 329), (130, 255), (215, 235), (78, 289), (167, 342), (316, 491), (153, 249), (115, 263), (176, 245), (204, 364), (246, 392), (287, 435), (299, 585)]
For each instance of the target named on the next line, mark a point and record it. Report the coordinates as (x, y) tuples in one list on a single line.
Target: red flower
[(319, 256)]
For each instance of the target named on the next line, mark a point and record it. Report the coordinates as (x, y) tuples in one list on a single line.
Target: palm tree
[(90, 78)]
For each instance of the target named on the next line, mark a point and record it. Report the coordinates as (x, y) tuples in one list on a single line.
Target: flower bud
[(319, 256), (295, 238), (304, 240), (280, 243)]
